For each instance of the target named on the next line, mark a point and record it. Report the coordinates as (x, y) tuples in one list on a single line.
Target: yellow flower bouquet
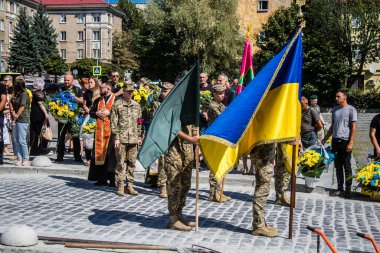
[(63, 107), (311, 164), (141, 96), (368, 178), (205, 98)]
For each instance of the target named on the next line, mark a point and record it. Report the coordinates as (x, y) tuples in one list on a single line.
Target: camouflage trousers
[(129, 152), (281, 174), (162, 178), (214, 184), (263, 159), (178, 166)]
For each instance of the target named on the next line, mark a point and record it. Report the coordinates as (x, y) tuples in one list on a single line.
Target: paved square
[(69, 206)]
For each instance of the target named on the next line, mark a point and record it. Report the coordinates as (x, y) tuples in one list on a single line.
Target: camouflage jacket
[(126, 121), (214, 110)]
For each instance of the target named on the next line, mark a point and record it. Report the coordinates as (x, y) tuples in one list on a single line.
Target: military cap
[(313, 97), (167, 85), (218, 88), (129, 86)]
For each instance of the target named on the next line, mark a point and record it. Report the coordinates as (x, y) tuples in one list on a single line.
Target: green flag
[(179, 108)]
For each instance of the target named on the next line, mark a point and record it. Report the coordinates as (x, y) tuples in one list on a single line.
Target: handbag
[(46, 132)]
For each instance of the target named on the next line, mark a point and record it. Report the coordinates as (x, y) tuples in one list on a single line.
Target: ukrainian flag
[(268, 110)]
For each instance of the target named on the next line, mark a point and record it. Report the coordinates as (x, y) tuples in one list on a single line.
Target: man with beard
[(104, 159)]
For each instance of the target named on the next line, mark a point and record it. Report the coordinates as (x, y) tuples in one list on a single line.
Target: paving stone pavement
[(69, 206)]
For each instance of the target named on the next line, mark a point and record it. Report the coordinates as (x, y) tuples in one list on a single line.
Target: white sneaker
[(18, 163), (26, 163)]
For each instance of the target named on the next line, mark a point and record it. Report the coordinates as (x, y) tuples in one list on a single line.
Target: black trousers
[(1, 139), (342, 163), (63, 129), (34, 133)]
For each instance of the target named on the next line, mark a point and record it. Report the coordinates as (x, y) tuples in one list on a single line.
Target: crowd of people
[(121, 123)]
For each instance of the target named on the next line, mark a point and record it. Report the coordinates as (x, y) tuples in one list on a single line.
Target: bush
[(365, 99)]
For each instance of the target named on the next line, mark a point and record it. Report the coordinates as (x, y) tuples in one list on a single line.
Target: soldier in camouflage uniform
[(210, 114), (263, 159), (281, 178), (126, 130), (162, 178), (178, 166)]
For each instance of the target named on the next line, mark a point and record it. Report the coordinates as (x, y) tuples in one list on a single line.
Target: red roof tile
[(71, 2)]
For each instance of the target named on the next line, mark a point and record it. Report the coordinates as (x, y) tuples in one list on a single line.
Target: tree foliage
[(133, 18), (176, 32), (122, 54), (277, 30), (84, 67), (55, 65), (45, 38), (22, 51), (336, 47)]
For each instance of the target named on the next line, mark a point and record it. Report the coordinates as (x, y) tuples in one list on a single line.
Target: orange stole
[(103, 132)]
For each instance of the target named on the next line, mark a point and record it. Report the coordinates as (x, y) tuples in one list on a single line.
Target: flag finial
[(248, 33)]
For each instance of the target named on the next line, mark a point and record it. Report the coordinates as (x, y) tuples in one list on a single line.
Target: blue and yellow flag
[(268, 110)]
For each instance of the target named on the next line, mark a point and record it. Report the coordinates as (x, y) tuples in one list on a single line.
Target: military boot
[(163, 192), (282, 201), (265, 231), (120, 190), (216, 197), (186, 222), (226, 198), (176, 224), (130, 190), (212, 195)]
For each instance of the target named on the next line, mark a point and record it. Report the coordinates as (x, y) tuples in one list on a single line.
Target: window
[(355, 22), (63, 36), (263, 5), (2, 46), (356, 53), (80, 18), (1, 4), (10, 28), (96, 35), (63, 18), (11, 7), (63, 53), (261, 37), (95, 53), (80, 54), (2, 25), (80, 36), (96, 18)]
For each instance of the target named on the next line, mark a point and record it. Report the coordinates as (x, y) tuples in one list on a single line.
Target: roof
[(132, 1), (72, 2)]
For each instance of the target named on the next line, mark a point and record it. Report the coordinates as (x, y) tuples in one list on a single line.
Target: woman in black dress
[(38, 116)]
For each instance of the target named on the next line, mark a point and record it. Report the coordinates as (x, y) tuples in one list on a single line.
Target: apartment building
[(8, 20), (84, 27)]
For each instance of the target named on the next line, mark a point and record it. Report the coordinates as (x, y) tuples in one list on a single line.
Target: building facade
[(84, 27)]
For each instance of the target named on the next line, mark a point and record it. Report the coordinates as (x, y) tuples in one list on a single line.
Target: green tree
[(325, 65), (84, 67), (275, 34), (133, 18), (122, 55), (55, 65), (45, 38), (340, 44), (22, 51), (361, 28), (178, 31)]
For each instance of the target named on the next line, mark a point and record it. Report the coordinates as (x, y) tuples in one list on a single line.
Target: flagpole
[(197, 185), (293, 192)]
